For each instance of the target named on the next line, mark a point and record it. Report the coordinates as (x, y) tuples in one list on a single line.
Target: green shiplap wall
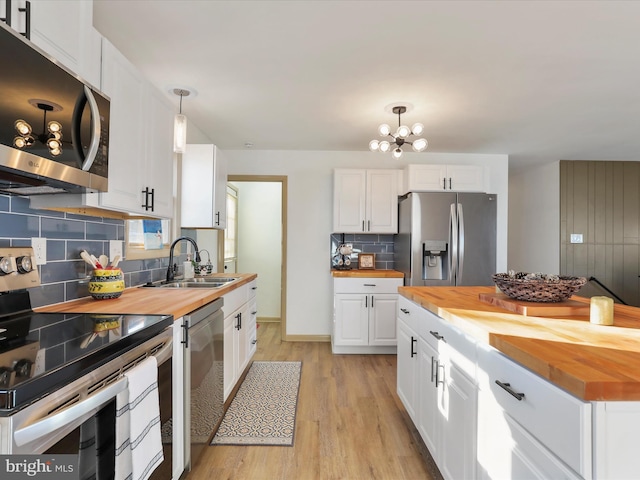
[(601, 200)]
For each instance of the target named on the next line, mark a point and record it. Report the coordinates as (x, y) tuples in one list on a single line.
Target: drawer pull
[(369, 284), (405, 311), (509, 390), (437, 335)]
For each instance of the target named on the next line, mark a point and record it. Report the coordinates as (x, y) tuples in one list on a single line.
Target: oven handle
[(58, 420), (91, 404)]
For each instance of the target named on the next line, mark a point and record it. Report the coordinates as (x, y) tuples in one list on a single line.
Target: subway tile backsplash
[(381, 245), (65, 276)]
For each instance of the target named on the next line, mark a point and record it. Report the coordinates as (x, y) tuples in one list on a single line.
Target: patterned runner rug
[(263, 411)]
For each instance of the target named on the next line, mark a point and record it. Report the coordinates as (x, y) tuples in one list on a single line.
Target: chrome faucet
[(170, 270)]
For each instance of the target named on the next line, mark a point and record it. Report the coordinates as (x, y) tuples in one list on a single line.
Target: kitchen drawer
[(252, 289), (367, 285), (559, 421), (234, 300), (411, 313)]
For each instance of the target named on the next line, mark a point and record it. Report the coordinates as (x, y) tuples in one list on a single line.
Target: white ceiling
[(538, 80)]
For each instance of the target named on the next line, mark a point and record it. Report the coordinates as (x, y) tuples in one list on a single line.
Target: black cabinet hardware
[(218, 218), (509, 390), (239, 318), (185, 334), (437, 335), (369, 284), (413, 342), (149, 194), (405, 311)]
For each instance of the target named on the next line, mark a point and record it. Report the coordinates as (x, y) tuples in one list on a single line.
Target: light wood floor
[(350, 423)]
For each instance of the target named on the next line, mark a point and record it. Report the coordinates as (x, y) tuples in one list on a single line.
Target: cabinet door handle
[(434, 370), (507, 387), (218, 218), (27, 19), (437, 335), (7, 16), (368, 225), (371, 301), (366, 301), (185, 334), (239, 318), (444, 183), (450, 183), (413, 342), (405, 311), (363, 226), (153, 199)]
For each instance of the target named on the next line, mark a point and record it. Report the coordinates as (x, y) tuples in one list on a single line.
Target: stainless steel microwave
[(54, 127)]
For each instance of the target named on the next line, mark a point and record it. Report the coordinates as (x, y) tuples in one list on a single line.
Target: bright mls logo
[(45, 467)]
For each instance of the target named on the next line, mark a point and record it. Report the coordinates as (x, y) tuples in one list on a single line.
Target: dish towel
[(138, 441)]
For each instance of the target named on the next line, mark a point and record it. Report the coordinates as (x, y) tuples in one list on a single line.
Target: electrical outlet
[(39, 246), (115, 248), (576, 238), (38, 368)]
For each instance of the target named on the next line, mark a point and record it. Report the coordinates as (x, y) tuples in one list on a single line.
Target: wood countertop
[(592, 362), (143, 300), (365, 273)]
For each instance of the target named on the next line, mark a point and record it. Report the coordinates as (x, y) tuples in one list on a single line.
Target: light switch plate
[(576, 238), (39, 246), (115, 248)]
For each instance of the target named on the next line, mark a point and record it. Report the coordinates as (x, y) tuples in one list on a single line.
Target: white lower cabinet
[(364, 315), (408, 359), (240, 310)]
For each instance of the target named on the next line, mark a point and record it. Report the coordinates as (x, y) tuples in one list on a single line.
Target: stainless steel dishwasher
[(203, 377)]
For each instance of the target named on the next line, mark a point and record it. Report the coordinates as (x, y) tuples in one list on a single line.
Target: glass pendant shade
[(419, 145), (19, 142), (384, 146), (384, 130), (403, 131), (373, 145), (417, 129), (397, 153), (54, 127), (180, 133), (23, 127)]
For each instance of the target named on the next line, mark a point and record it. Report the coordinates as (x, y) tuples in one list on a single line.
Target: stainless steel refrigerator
[(446, 238)]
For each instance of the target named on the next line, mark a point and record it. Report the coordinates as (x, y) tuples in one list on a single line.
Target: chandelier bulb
[(417, 129), (384, 130), (384, 146), (22, 127), (419, 145), (374, 145), (403, 131), (397, 153)]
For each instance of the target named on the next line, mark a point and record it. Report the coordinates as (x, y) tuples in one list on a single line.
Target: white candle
[(601, 311)]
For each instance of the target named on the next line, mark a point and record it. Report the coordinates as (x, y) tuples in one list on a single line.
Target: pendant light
[(180, 124)]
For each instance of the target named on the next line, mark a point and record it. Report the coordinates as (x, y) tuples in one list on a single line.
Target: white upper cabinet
[(204, 187), (438, 178), (365, 201), (64, 30)]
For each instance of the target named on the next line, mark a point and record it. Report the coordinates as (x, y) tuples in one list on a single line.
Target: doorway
[(257, 241)]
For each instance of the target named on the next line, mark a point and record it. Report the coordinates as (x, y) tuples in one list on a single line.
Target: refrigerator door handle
[(453, 242), (460, 241)]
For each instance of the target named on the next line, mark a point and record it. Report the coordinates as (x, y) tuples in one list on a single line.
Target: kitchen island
[(497, 394)]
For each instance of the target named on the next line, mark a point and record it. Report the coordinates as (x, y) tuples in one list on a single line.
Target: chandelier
[(51, 134), (400, 138)]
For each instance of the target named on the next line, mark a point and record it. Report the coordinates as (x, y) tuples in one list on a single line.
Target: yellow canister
[(106, 283)]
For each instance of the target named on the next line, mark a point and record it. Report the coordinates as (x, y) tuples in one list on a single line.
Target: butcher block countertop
[(366, 273), (143, 300), (592, 362)]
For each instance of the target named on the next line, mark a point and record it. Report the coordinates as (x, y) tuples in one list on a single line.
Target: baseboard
[(307, 338), (268, 319)]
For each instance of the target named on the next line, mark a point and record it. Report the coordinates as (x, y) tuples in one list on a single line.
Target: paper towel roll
[(601, 311)]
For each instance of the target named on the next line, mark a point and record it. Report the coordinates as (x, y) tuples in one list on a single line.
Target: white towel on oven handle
[(138, 439)]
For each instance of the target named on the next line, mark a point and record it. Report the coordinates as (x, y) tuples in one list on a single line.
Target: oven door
[(67, 420)]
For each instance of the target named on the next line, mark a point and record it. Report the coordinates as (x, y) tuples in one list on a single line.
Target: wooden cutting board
[(535, 309)]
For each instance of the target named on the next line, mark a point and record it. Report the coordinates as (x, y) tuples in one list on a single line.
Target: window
[(231, 232), (147, 238)]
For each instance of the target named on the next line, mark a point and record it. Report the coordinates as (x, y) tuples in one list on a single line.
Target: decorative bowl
[(538, 287)]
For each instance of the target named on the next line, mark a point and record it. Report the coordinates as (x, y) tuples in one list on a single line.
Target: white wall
[(534, 219), (309, 215), (260, 240)]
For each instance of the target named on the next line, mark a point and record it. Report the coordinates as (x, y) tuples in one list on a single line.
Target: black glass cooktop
[(40, 352)]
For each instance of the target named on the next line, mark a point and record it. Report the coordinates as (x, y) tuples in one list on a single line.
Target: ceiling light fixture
[(180, 124), (51, 134), (400, 138)]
